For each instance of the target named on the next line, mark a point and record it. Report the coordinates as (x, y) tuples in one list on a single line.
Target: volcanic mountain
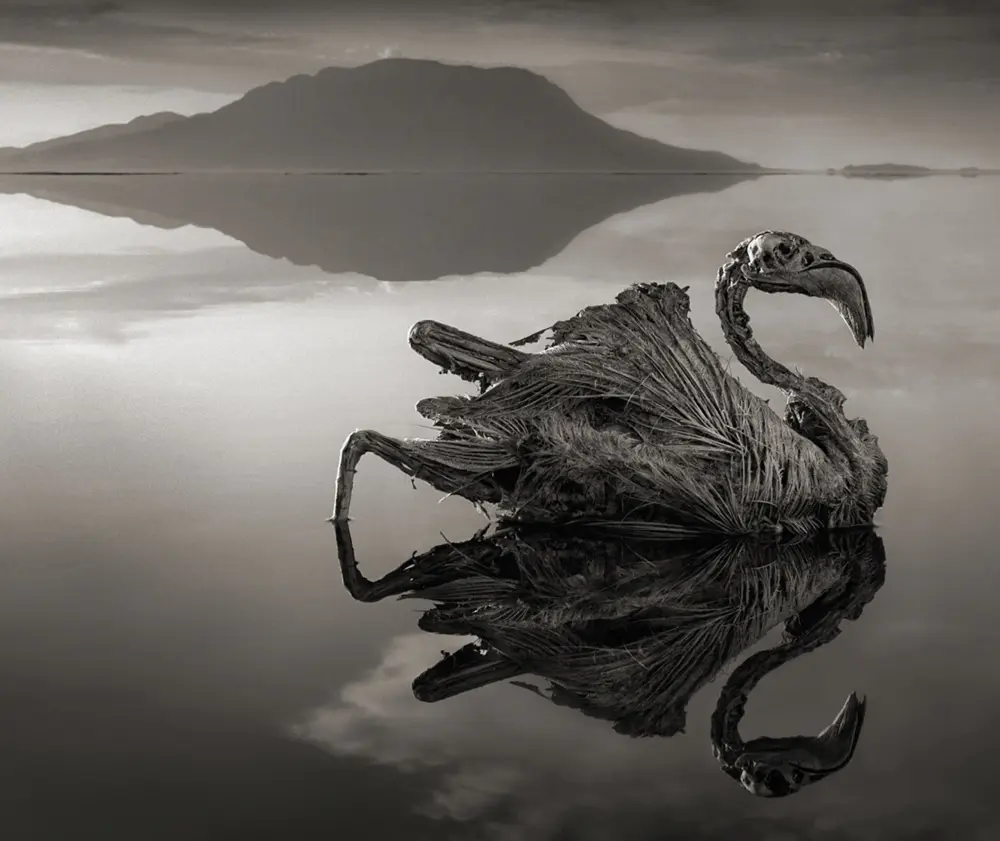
[(395, 114)]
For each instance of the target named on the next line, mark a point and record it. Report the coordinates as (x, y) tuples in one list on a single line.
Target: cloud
[(479, 751), (111, 29), (125, 293)]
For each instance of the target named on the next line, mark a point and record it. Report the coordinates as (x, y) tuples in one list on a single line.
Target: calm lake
[(175, 402)]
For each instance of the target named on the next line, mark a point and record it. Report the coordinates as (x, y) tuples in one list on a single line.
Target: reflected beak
[(839, 740), (815, 756)]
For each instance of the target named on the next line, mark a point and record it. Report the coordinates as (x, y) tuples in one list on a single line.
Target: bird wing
[(630, 391)]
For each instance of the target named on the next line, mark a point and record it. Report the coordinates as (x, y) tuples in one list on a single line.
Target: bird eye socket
[(784, 249)]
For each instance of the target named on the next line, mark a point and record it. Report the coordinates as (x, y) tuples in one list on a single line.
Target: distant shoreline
[(868, 174)]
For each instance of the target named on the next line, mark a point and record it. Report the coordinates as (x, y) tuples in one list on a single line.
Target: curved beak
[(839, 282), (842, 285)]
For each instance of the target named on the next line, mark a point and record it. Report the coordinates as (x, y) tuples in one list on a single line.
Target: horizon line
[(437, 172)]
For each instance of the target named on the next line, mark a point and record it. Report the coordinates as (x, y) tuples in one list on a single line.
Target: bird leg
[(439, 463), (470, 357)]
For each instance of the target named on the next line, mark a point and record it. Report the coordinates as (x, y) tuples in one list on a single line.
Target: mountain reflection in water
[(393, 227)]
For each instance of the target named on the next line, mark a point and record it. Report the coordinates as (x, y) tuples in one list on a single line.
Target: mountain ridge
[(144, 122), (394, 114)]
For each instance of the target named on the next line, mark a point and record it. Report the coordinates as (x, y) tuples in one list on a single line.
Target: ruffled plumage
[(630, 415)]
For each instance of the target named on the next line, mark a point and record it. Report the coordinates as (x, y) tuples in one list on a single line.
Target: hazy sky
[(776, 81)]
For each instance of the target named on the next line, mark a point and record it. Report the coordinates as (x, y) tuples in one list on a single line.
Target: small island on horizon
[(893, 170)]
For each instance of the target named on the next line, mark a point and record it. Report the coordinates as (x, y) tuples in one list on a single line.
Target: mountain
[(391, 227), (392, 114), (94, 135)]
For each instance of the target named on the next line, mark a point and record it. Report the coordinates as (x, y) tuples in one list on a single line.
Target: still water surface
[(171, 607)]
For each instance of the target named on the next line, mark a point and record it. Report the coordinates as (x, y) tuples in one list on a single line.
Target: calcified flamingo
[(630, 416)]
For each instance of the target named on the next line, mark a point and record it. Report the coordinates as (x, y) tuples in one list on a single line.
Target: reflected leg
[(434, 568)]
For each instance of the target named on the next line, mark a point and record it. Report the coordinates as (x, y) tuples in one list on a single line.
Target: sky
[(779, 82)]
